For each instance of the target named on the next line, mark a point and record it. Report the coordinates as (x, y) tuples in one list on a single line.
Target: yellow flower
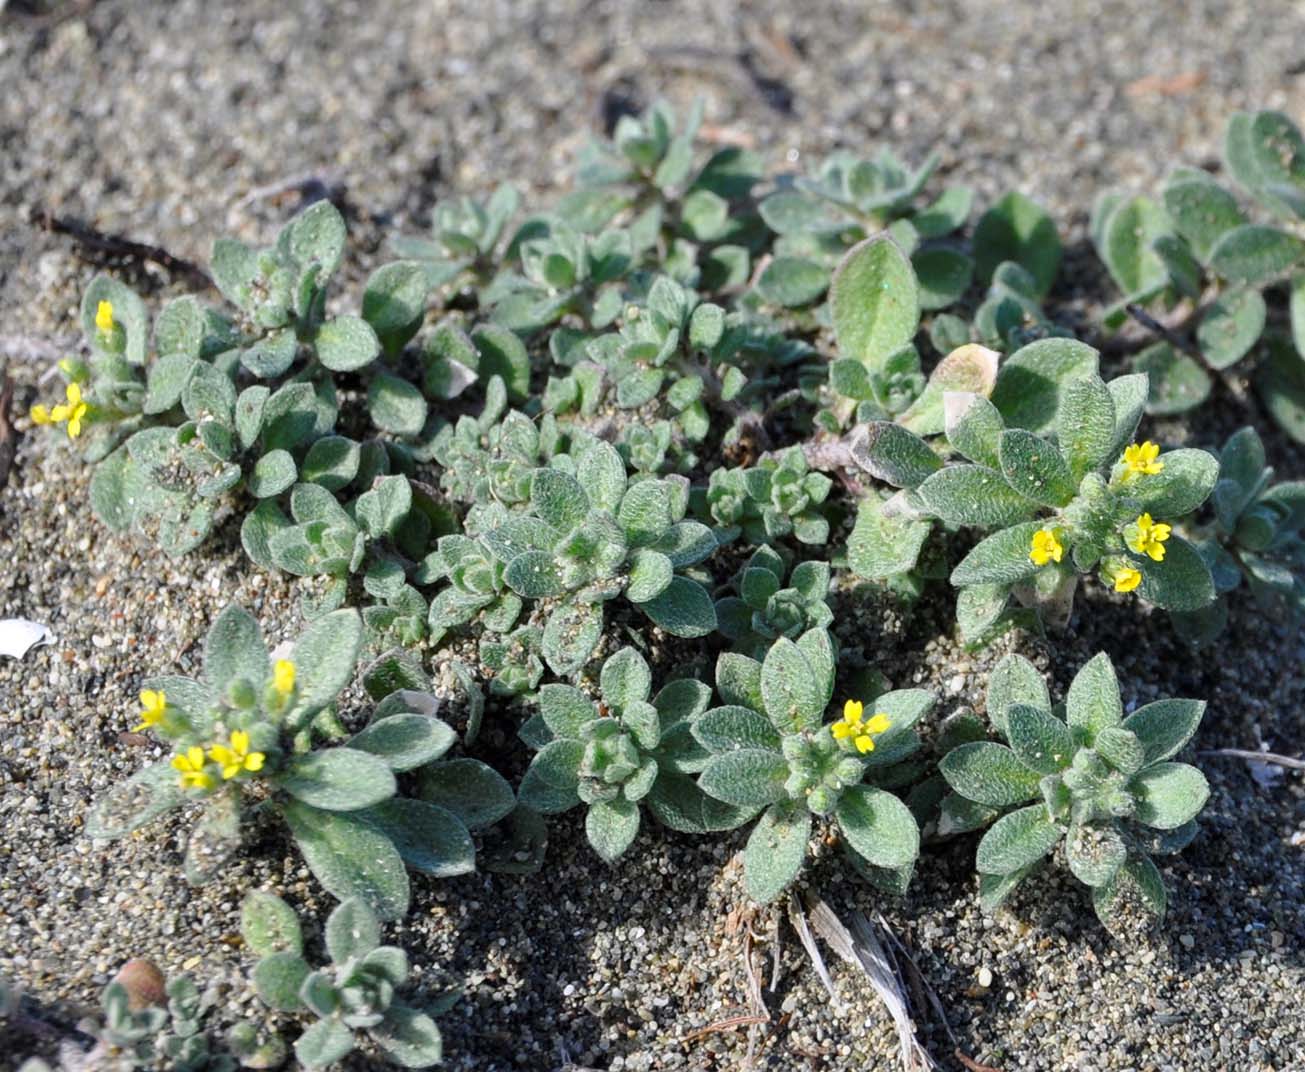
[(236, 757), (154, 706), (1140, 459), (104, 317), (853, 724), (76, 410), (190, 764), (1046, 547), (1147, 537), (283, 677), (40, 415), (1127, 578)]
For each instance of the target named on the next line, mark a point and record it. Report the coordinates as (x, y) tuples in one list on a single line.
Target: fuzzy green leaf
[(878, 826), (1181, 582), (234, 649), (338, 779), (1130, 234), (890, 453), (129, 805), (1202, 212), (550, 781), (1042, 742), (792, 282), (1095, 851), (431, 839), (746, 777), (1003, 558), (1164, 726), (1136, 884), (1169, 794), (1014, 680), (411, 1038), (882, 545), (350, 858), (611, 827), (1254, 254), (1030, 381), (1034, 468), (990, 774), (791, 688), (405, 741), (1016, 229), (1231, 325), (1092, 703), (1086, 426), (396, 406), (973, 427), (346, 343), (977, 495), (1177, 383), (278, 977), (324, 658), (476, 793), (725, 729), (776, 850), (874, 302), (558, 499), (683, 608), (1185, 482), (324, 1043), (1017, 840), (571, 635)]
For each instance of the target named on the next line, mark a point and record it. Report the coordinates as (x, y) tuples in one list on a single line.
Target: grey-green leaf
[(1164, 726), (878, 826), (990, 774), (338, 779), (874, 301), (1169, 794), (776, 850), (1017, 840)]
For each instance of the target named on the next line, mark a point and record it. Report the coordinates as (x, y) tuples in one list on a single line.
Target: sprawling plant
[(1051, 467), (354, 995), (635, 424), (818, 217), (1198, 258), (781, 496), (627, 749), (238, 406), (1085, 777), (761, 608), (581, 535), (149, 1022), (259, 737), (1255, 537), (770, 748)]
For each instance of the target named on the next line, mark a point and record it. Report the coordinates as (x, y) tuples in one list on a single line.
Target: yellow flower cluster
[(854, 725), (73, 411), (104, 317), (1140, 459), (232, 759), (1046, 547), (1127, 578), (154, 705), (283, 677), (1147, 537)]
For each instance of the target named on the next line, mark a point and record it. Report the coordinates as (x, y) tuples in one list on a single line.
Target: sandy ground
[(157, 120)]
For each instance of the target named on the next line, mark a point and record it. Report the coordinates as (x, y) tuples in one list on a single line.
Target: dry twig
[(1258, 757), (8, 438), (118, 246), (729, 1024)]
